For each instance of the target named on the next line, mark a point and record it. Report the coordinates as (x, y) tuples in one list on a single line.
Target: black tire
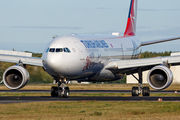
[(134, 91), (60, 92), (145, 91), (66, 92), (54, 91)]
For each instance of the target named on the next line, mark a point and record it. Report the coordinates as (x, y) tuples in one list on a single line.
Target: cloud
[(45, 27), (143, 27), (148, 10), (103, 8), (158, 9), (24, 46), (171, 9), (167, 31)]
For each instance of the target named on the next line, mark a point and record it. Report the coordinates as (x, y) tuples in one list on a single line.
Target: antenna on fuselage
[(54, 36)]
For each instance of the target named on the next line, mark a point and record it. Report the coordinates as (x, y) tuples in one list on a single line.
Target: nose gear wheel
[(60, 91)]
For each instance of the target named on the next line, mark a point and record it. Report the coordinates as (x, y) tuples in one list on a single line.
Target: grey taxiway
[(88, 91), (22, 99)]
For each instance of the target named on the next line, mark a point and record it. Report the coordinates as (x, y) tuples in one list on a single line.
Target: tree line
[(147, 54)]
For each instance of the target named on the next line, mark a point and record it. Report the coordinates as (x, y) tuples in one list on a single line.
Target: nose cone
[(52, 63)]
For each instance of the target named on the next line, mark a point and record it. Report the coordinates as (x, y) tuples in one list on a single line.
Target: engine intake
[(160, 77), (15, 77)]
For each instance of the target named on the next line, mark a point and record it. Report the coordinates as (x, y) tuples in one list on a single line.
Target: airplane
[(95, 58)]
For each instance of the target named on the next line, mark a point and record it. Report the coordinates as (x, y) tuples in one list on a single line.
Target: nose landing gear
[(61, 90)]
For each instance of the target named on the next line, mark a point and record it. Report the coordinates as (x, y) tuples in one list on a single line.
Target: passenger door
[(81, 52)]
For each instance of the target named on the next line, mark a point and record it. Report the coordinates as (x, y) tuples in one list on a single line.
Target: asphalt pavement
[(22, 99), (87, 91), (25, 99)]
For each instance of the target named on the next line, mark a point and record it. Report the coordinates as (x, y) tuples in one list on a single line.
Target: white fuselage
[(84, 57)]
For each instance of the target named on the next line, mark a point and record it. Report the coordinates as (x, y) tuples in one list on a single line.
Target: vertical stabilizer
[(131, 22)]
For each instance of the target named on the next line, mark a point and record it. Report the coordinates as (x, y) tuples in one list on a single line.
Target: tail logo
[(131, 23)]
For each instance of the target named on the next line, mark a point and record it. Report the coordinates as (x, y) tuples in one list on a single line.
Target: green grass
[(89, 87), (91, 110), (23, 94)]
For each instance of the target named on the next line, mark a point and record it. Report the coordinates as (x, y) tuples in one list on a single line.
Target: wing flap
[(145, 62), (138, 62), (26, 60), (174, 60)]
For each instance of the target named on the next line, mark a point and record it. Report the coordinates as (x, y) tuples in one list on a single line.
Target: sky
[(28, 25)]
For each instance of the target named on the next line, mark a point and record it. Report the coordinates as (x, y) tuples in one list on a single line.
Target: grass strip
[(89, 87), (91, 110)]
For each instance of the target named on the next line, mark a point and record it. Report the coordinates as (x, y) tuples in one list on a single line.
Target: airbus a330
[(95, 58)]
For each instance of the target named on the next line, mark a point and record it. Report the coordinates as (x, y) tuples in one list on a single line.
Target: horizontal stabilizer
[(158, 41)]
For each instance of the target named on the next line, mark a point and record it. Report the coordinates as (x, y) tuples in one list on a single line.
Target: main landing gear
[(61, 90), (136, 91)]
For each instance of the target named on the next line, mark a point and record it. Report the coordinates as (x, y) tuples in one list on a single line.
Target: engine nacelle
[(15, 77), (160, 77)]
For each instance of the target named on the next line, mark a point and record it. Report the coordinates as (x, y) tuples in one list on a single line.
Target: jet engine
[(15, 77), (160, 77)]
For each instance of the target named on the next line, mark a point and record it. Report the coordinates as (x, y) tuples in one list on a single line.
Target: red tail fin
[(131, 23)]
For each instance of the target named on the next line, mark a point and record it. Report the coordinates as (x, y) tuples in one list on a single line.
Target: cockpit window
[(59, 50), (47, 50), (52, 50), (66, 50)]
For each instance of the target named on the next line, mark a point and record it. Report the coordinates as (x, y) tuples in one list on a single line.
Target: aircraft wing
[(158, 41), (131, 66), (26, 60)]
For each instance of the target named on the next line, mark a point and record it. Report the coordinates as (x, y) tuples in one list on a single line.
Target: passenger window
[(59, 50), (52, 50)]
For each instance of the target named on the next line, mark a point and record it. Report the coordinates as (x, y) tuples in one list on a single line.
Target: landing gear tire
[(145, 91), (61, 90), (66, 92), (54, 91), (60, 93), (135, 91)]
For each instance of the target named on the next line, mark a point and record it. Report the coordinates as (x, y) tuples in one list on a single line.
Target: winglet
[(131, 22)]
